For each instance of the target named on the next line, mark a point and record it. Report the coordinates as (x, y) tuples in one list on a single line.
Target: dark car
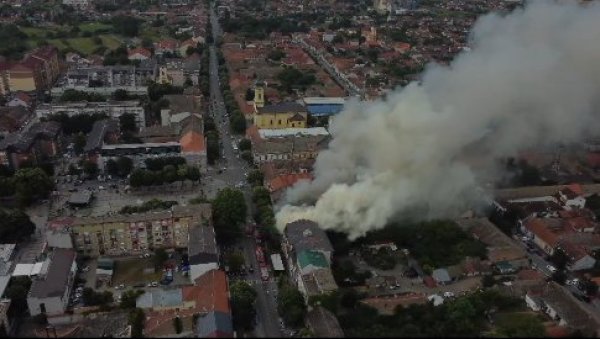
[(140, 285)]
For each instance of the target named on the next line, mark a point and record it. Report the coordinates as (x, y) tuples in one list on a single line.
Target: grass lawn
[(110, 41), (35, 32), (131, 272), (94, 26)]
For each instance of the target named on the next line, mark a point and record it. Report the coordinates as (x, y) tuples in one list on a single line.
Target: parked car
[(551, 268)]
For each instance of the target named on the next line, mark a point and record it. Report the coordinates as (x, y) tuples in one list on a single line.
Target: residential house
[(139, 53), (13, 119), (208, 298), (279, 184), (203, 253), (291, 149), (441, 276), (4, 78), (215, 324), (20, 99), (282, 115), (561, 306), (50, 290), (571, 197), (500, 247), (185, 45), (308, 252), (550, 234), (37, 143), (166, 46)]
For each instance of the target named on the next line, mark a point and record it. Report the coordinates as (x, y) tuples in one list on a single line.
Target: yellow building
[(259, 95), (137, 233), (282, 115)]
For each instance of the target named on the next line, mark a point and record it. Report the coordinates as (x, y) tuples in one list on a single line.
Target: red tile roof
[(541, 230), (140, 50), (429, 282), (288, 180), (210, 293), (527, 274), (192, 142)]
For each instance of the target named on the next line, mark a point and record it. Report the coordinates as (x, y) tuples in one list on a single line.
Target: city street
[(234, 170)]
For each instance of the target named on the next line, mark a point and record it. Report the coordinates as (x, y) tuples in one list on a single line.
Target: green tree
[(169, 173), (137, 178), (522, 326), (193, 173), (79, 143), (137, 319), (120, 95), (234, 261), (243, 297), (559, 258), (160, 256), (212, 147), (124, 166), (31, 183), (17, 291), (15, 226), (291, 306), (245, 145), (127, 122), (90, 168), (255, 178), (129, 297), (111, 167), (229, 212), (177, 324)]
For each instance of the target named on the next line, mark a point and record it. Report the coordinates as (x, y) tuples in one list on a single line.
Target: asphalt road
[(234, 173)]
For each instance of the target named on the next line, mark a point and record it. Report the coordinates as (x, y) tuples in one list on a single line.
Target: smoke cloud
[(531, 78)]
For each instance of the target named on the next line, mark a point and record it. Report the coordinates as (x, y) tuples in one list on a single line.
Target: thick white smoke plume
[(531, 78)]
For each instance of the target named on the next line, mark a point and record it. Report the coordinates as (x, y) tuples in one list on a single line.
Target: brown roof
[(387, 305), (210, 292), (540, 229), (288, 180), (527, 274)]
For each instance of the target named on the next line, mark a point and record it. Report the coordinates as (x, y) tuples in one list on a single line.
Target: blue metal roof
[(326, 109)]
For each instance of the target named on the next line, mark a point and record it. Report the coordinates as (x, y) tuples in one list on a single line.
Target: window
[(279, 123), (43, 308)]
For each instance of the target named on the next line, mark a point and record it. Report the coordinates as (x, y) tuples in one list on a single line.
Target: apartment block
[(137, 233)]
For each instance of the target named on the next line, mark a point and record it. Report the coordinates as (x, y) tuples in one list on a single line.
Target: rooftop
[(283, 107), (55, 282), (306, 235), (290, 132), (160, 298), (214, 324)]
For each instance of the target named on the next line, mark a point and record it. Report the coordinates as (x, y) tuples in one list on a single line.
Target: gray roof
[(323, 323), (4, 279), (202, 246), (213, 322), (95, 139), (283, 107), (292, 143), (306, 235), (441, 275), (82, 197), (160, 298), (22, 140), (54, 283)]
